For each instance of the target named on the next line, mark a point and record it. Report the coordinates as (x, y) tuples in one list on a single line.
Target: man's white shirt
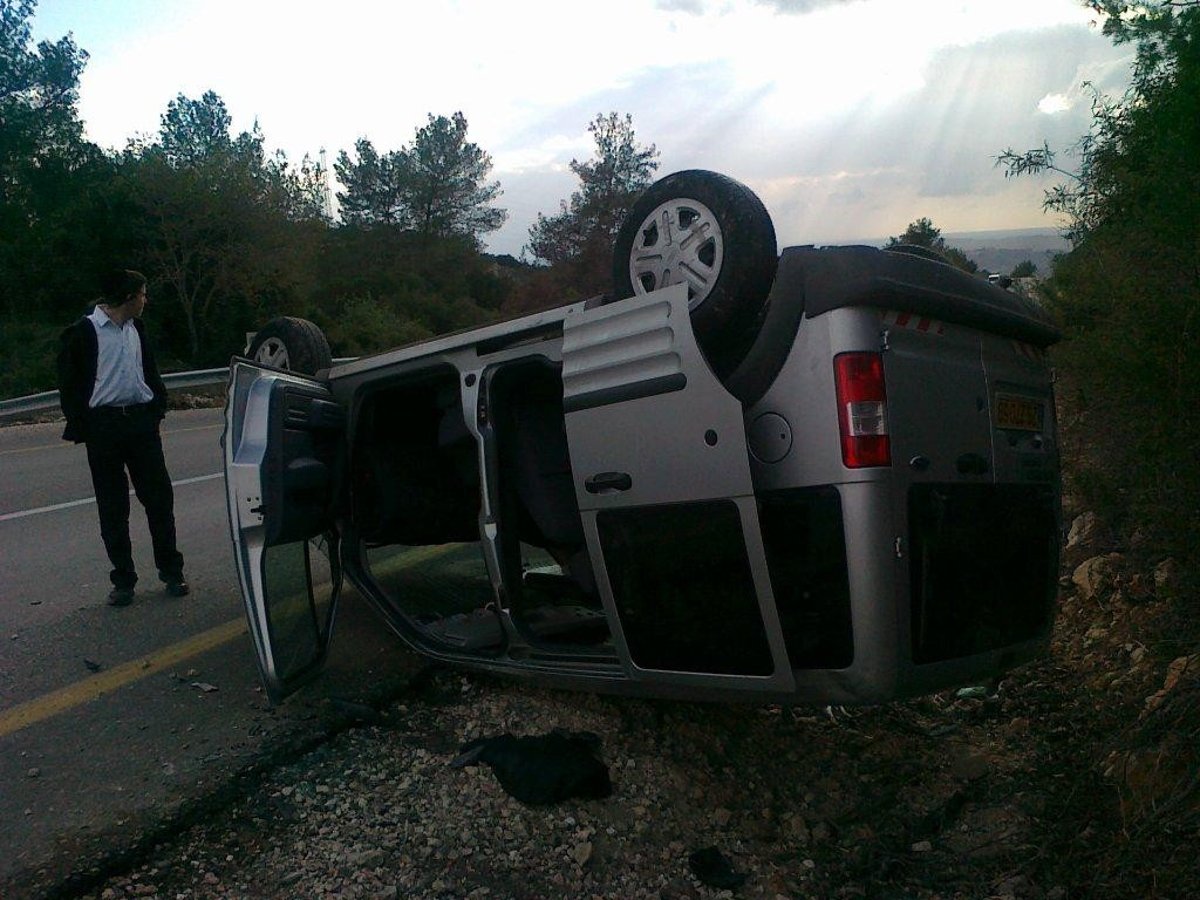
[(120, 380)]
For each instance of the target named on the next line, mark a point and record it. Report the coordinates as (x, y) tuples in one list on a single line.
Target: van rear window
[(983, 567)]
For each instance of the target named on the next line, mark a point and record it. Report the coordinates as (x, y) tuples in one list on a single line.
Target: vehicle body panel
[(575, 496)]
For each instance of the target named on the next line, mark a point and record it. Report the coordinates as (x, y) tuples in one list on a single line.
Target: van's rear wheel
[(291, 343), (711, 233)]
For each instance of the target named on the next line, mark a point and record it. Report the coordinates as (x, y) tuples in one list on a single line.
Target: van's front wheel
[(291, 343), (711, 233)]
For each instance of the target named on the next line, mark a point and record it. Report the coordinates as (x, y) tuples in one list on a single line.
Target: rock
[(1138, 588), (582, 853), (1096, 576), (1084, 530), (1087, 536), (970, 767), (1166, 575), (1013, 887), (921, 847), (33, 773), (1018, 726), (1151, 776), (795, 830), (1184, 666)]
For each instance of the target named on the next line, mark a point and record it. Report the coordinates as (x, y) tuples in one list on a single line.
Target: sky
[(849, 118)]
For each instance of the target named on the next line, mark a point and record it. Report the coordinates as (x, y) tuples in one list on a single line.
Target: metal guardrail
[(47, 401)]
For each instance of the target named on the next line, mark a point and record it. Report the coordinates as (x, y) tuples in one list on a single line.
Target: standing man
[(114, 400)]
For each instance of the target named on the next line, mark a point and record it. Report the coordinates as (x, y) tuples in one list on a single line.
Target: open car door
[(662, 476), (282, 444)]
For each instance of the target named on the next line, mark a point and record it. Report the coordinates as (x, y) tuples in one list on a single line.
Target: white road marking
[(68, 445), (70, 503)]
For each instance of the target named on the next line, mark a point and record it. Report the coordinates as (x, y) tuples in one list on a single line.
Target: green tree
[(1024, 269), (923, 233), (192, 132), (372, 183), (445, 182), (226, 231), (38, 92), (437, 185), (48, 172), (580, 237)]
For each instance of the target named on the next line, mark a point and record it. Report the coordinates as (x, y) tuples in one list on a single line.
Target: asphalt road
[(111, 720)]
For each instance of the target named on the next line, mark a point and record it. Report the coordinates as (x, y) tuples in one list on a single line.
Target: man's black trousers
[(121, 438)]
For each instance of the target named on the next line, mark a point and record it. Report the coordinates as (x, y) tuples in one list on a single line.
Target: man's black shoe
[(120, 596), (178, 588)]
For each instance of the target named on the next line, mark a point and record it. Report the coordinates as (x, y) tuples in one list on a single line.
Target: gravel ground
[(805, 803)]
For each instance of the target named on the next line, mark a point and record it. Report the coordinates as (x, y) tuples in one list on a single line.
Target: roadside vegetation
[(1128, 299)]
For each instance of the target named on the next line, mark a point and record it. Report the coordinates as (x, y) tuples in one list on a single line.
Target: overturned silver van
[(828, 475)]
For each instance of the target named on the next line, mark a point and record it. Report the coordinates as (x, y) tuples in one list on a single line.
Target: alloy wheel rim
[(273, 352), (679, 241)]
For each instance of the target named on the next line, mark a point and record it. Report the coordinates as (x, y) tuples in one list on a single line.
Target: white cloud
[(549, 153), (1054, 103)]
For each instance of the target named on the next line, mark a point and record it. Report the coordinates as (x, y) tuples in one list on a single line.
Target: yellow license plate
[(1018, 413)]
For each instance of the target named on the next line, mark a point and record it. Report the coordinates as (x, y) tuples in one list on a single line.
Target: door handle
[(608, 483)]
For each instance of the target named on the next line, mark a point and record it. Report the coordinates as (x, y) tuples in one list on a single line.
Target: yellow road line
[(40, 708), (81, 692)]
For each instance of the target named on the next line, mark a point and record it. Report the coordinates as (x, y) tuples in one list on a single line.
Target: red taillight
[(862, 410)]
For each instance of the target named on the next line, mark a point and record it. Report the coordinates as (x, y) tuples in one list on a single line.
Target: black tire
[(729, 264), (291, 343)]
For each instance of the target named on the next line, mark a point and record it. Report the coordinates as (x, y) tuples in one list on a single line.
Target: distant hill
[(1001, 251)]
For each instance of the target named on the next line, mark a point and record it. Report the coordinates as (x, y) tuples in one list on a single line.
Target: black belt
[(126, 410)]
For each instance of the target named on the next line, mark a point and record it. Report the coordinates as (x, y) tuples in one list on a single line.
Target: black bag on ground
[(543, 769)]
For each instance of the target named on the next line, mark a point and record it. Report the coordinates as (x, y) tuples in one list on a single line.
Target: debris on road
[(543, 769)]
